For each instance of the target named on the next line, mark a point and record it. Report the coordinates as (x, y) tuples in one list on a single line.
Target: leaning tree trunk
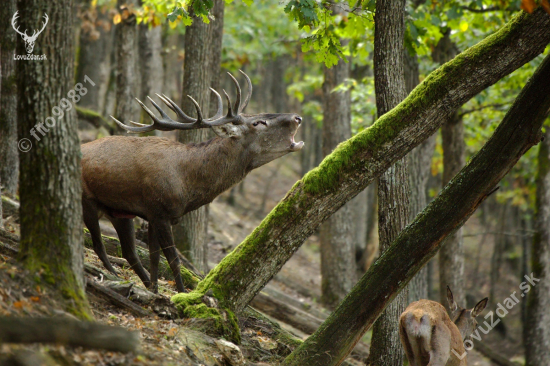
[(536, 329), (190, 235), (393, 185), (94, 56), (451, 256), (337, 233), (354, 164), (420, 241), (126, 61), (9, 166), (50, 191)]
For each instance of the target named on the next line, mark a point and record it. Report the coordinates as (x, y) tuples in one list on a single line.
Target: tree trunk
[(150, 64), (393, 185), (420, 240), (420, 164), (9, 155), (337, 233), (355, 163), (126, 61), (190, 235), (451, 256), (537, 332), (94, 56), (50, 191)]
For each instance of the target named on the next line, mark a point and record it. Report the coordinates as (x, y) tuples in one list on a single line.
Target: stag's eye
[(258, 122)]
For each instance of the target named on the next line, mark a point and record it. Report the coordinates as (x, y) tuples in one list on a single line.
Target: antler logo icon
[(29, 40)]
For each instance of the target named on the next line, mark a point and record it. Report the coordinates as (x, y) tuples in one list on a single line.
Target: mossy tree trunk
[(9, 168), (337, 233), (393, 184), (420, 241), (50, 191), (356, 162), (536, 330), (190, 235), (150, 64)]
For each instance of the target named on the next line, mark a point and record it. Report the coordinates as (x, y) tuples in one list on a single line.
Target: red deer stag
[(429, 335), (161, 180)]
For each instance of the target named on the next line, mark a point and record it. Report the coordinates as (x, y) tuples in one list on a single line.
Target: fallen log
[(495, 357), (67, 332), (115, 298), (284, 312), (10, 208)]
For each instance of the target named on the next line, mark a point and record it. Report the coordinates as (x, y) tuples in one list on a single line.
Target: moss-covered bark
[(420, 241), (357, 161), (49, 185)]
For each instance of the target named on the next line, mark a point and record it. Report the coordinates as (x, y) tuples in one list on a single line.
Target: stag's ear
[(228, 130), (452, 304), (479, 307)]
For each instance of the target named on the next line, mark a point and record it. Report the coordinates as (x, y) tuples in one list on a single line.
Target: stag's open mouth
[(295, 146)]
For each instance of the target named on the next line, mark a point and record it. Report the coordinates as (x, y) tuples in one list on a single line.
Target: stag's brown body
[(160, 180), (429, 336)]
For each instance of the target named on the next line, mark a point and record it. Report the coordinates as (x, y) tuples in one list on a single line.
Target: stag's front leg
[(162, 232)]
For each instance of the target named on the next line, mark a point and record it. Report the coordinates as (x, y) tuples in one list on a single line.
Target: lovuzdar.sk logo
[(29, 40)]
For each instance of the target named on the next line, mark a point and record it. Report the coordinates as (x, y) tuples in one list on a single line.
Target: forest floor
[(171, 342)]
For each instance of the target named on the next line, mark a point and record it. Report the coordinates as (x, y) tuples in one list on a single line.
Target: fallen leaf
[(528, 5)]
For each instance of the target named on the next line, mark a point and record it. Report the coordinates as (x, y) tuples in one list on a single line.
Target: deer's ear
[(480, 306), (228, 130), (452, 304)]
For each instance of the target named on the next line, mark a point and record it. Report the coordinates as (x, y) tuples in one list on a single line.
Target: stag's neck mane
[(213, 167)]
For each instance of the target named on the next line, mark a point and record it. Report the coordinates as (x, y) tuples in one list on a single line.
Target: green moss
[(215, 322)]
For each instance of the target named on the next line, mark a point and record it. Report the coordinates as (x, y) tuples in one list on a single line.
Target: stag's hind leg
[(91, 220), (161, 235), (125, 230)]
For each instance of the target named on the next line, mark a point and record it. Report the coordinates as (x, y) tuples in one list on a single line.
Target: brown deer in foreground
[(161, 180), (429, 335)]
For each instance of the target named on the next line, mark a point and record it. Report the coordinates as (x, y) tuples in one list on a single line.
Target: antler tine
[(162, 113), (229, 110), (238, 100), (199, 112), (249, 94), (219, 113), (133, 129), (182, 117)]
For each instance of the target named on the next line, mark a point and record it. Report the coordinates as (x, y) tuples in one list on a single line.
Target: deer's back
[(424, 327), (129, 172)]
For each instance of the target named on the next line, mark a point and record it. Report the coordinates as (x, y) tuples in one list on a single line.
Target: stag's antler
[(184, 122), (15, 16), (34, 34)]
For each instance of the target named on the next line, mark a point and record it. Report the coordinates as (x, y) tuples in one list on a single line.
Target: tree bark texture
[(150, 65), (190, 235), (126, 60), (337, 233), (537, 332), (451, 255), (420, 164), (9, 154), (355, 163), (420, 240), (393, 185), (50, 190), (94, 56)]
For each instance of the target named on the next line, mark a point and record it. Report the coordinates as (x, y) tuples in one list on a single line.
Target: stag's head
[(465, 319), (29, 40), (265, 136)]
